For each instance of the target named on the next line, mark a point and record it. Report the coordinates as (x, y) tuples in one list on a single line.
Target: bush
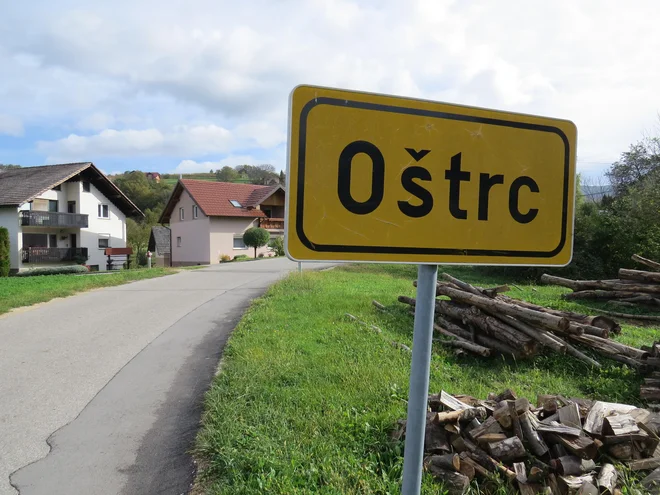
[(4, 252), (53, 270), (277, 245), (224, 258), (256, 237), (240, 257), (261, 255)]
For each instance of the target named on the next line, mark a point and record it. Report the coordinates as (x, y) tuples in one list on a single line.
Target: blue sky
[(191, 86)]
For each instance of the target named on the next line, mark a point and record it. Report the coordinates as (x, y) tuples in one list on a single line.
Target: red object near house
[(118, 251)]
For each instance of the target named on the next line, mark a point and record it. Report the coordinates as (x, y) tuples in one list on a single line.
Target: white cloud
[(183, 140), (10, 125), (140, 72)]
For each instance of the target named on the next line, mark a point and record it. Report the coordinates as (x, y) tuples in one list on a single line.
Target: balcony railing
[(53, 219), (271, 223), (52, 255)]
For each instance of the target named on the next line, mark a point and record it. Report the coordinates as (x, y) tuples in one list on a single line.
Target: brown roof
[(20, 185), (214, 198)]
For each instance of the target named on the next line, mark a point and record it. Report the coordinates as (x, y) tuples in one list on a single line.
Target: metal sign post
[(419, 379)]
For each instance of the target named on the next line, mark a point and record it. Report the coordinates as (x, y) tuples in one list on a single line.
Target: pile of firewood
[(650, 389), (485, 322), (552, 448), (632, 288)]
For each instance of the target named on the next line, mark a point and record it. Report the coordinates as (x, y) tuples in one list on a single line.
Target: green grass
[(25, 291), (307, 399)]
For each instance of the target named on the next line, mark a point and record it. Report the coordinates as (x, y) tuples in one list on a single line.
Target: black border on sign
[(332, 248)]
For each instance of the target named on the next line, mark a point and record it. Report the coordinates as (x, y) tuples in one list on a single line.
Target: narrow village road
[(101, 393)]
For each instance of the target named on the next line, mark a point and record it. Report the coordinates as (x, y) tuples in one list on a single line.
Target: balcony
[(52, 255), (53, 219), (271, 223)]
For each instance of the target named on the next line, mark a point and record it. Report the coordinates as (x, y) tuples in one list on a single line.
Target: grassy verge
[(16, 292), (306, 399)]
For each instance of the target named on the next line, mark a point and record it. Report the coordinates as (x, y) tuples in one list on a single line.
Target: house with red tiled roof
[(207, 219)]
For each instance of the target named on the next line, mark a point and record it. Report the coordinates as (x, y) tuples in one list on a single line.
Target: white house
[(62, 214)]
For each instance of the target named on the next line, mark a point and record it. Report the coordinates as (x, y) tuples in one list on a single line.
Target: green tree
[(636, 165), (277, 244), (7, 166), (256, 237), (226, 174), (258, 174), (145, 193), (282, 177), (5, 251)]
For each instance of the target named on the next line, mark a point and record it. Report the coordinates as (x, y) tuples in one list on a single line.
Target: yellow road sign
[(382, 178)]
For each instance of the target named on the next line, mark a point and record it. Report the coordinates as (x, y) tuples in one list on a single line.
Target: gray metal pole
[(419, 379)]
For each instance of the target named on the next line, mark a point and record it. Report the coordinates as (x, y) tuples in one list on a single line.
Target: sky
[(191, 86)]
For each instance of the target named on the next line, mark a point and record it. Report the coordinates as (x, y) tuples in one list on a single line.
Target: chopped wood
[(581, 446), (607, 479), (652, 482), (450, 402), (588, 488), (486, 438), (521, 472), (503, 416), (594, 422), (451, 462), (650, 393), (435, 439), (507, 450), (568, 465), (653, 264), (478, 468), (621, 424), (644, 464), (489, 426), (621, 451), (515, 420), (576, 482), (467, 470), (508, 394), (462, 415), (560, 429), (454, 483), (570, 415), (536, 443)]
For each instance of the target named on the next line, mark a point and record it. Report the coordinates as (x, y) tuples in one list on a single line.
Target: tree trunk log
[(624, 349), (607, 350), (462, 416), (478, 468), (536, 317), (464, 344), (515, 420), (507, 450), (541, 335), (596, 321), (612, 294), (648, 277), (572, 351), (653, 264), (613, 285)]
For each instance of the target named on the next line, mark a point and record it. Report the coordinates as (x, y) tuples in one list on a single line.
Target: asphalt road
[(101, 393)]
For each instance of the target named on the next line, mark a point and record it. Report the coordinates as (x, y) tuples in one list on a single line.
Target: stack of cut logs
[(551, 448), (650, 389), (632, 288), (484, 322)]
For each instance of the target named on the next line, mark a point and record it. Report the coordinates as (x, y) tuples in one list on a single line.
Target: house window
[(86, 186), (180, 213), (178, 242), (58, 187), (52, 240), (235, 203), (195, 211), (52, 205), (104, 241), (103, 211), (238, 243)]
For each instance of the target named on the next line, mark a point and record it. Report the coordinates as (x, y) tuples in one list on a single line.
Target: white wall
[(194, 233), (9, 219), (115, 226)]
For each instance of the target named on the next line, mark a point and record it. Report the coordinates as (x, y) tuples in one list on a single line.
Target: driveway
[(101, 393)]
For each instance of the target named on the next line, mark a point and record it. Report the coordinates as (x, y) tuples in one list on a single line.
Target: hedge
[(4, 252), (53, 270)]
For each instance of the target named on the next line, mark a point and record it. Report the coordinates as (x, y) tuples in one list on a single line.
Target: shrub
[(277, 245), (261, 255), (240, 257), (224, 258), (53, 270), (4, 252), (256, 237)]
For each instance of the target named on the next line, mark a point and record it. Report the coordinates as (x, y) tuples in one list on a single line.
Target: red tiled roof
[(214, 197)]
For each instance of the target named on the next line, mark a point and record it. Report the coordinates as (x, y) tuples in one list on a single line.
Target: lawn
[(306, 398), (25, 291)]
